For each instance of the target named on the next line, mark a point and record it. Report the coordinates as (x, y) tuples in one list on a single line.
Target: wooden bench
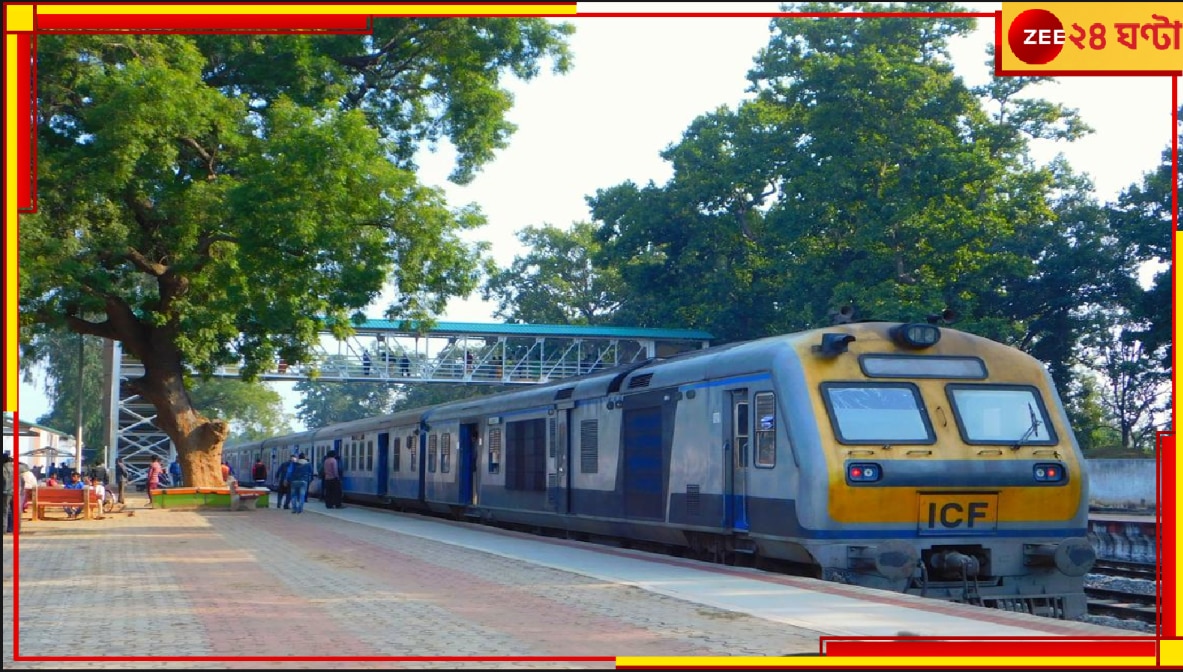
[(65, 498)]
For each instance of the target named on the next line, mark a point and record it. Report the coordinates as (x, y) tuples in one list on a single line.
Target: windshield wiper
[(1035, 424)]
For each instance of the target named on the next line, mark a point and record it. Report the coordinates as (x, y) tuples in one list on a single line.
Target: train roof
[(686, 366)]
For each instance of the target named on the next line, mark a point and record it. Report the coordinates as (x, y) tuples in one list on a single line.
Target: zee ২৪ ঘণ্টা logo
[(1036, 36)]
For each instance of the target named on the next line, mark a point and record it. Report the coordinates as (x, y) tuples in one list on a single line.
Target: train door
[(382, 473), (735, 456), (470, 439), (558, 476)]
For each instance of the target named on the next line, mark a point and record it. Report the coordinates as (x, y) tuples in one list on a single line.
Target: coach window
[(413, 451), (765, 430), (396, 454), (877, 413), (445, 453), (432, 451), (495, 450), (370, 455)]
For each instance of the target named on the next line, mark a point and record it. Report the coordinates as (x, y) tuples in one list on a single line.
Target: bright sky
[(637, 83)]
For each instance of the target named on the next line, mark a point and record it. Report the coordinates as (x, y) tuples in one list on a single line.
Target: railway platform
[(222, 589)]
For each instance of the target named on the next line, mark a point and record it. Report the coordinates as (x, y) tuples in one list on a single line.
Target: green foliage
[(327, 402), (56, 362), (430, 394), (254, 410), (556, 282), (864, 173), (1142, 221)]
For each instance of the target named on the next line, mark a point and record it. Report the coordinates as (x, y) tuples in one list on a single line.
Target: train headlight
[(1049, 473), (863, 472), (916, 335)]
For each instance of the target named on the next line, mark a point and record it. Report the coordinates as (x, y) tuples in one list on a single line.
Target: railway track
[(1122, 604), (1125, 569), (1119, 596)]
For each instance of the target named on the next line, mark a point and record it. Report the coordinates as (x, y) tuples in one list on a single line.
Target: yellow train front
[(950, 469)]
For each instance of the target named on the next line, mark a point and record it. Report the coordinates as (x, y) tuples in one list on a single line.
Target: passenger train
[(910, 457)]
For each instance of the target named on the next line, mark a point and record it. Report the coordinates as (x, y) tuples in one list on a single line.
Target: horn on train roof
[(844, 315)]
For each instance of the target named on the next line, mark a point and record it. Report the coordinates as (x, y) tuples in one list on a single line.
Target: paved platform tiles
[(364, 583)]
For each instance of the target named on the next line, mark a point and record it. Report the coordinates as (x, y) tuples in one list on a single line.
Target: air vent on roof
[(564, 393), (640, 381)]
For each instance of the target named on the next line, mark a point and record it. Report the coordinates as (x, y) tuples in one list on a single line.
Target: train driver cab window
[(880, 413), (992, 414)]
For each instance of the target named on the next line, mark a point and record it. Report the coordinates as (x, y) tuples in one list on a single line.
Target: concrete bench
[(65, 498), (243, 500), (213, 498)]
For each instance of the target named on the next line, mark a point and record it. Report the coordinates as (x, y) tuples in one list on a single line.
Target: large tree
[(212, 199), (863, 172)]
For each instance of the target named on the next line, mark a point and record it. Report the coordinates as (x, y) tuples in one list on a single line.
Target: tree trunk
[(198, 439)]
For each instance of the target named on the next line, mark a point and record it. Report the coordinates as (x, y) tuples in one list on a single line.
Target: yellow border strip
[(376, 9)]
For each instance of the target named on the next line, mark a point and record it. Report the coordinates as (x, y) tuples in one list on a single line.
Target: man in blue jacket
[(283, 483), (301, 475)]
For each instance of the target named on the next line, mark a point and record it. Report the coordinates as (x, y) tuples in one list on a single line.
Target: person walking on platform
[(154, 472), (283, 480), (301, 475), (332, 481), (121, 476)]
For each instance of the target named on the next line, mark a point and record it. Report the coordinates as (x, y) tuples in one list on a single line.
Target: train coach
[(910, 457)]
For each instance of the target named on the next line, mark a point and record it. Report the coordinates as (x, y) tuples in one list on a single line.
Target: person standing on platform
[(301, 475), (226, 471), (121, 476), (259, 473), (9, 481), (28, 484), (100, 472), (174, 473), (332, 481), (154, 472), (283, 480)]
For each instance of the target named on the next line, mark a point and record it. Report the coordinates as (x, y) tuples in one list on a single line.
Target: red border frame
[(1031, 648)]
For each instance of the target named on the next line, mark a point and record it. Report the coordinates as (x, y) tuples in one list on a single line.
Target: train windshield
[(1012, 415), (877, 413)]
